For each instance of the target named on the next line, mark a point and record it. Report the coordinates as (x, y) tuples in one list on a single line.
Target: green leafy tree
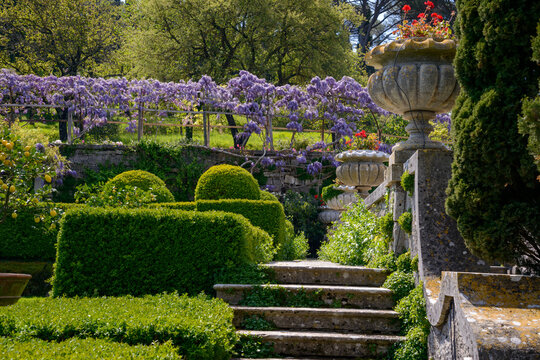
[(284, 41), (529, 123), (493, 193), (61, 37)]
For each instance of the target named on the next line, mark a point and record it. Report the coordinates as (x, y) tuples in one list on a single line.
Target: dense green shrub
[(329, 192), (412, 310), (356, 234), (301, 210), (83, 349), (494, 194), (405, 221), (265, 195), (227, 182), (407, 182), (142, 180), (414, 347), (24, 239), (295, 246), (125, 251), (401, 283), (201, 328), (268, 215), (406, 264), (387, 225)]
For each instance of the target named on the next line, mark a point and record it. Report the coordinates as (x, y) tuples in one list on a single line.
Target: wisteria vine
[(339, 105)]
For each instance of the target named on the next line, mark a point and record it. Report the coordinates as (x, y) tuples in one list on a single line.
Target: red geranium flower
[(421, 15), (434, 15), (429, 5), (414, 22), (363, 133), (440, 17), (316, 196), (406, 8)]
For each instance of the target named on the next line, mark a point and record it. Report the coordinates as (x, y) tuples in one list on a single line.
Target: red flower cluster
[(362, 140), (361, 134), (436, 28)]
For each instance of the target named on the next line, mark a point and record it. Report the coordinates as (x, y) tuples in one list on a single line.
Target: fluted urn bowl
[(341, 201), (414, 78), (362, 169)]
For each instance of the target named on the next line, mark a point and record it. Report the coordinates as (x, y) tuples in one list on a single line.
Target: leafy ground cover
[(200, 328), (83, 349)]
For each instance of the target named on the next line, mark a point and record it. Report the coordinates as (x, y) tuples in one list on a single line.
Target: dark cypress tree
[(493, 193)]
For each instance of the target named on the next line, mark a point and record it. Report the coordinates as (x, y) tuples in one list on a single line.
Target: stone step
[(334, 296), (312, 272), (339, 320), (324, 344)]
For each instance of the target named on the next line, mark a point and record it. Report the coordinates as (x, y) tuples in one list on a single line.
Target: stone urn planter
[(362, 169), (12, 287), (347, 197), (414, 78), (327, 216)]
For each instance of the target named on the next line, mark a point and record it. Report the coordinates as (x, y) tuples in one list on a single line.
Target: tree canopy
[(61, 37), (284, 41)]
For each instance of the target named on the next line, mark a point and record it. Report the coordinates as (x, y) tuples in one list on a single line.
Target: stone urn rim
[(362, 155), (411, 49), (15, 276)]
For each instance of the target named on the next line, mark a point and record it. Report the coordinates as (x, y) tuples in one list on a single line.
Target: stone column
[(398, 197)]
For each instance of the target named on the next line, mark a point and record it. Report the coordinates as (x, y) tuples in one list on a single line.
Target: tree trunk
[(62, 125), (239, 141)]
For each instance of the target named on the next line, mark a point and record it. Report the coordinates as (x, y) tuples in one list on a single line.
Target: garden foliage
[(227, 182), (83, 349), (24, 239), (295, 246), (125, 251), (355, 239), (200, 328), (494, 193)]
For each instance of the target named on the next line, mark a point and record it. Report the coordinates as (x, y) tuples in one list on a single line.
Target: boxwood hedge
[(199, 327), (268, 215), (83, 349), (146, 251)]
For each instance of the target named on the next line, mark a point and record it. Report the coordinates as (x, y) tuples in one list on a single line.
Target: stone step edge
[(341, 312), (324, 288), (321, 336), (317, 267)]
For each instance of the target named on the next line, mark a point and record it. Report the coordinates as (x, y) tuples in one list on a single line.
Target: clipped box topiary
[(227, 182), (143, 180)]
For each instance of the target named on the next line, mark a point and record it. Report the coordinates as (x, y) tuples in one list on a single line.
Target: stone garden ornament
[(415, 76)]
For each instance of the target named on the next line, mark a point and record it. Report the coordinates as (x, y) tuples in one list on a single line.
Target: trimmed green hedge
[(127, 251), (23, 239), (201, 328), (227, 182), (268, 215), (83, 349), (186, 206)]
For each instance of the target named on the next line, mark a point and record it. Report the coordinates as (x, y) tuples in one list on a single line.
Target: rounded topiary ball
[(227, 182), (143, 180)]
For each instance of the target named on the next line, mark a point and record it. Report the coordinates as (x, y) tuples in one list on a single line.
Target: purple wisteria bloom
[(314, 168)]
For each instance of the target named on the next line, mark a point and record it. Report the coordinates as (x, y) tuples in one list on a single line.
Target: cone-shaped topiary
[(493, 193), (227, 182), (143, 180)]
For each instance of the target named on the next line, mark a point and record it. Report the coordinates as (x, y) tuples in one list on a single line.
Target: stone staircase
[(356, 321)]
